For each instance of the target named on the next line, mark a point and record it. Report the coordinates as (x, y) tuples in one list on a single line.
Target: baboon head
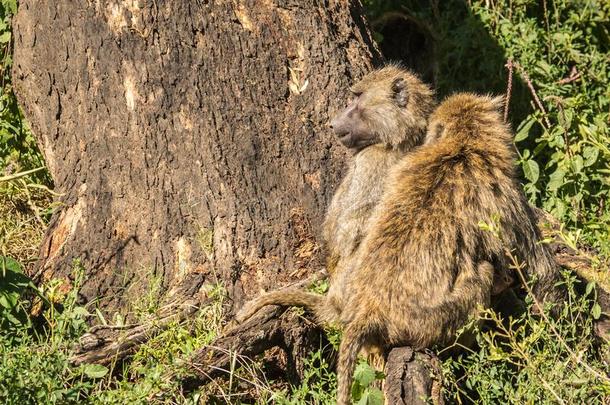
[(390, 106), (467, 115)]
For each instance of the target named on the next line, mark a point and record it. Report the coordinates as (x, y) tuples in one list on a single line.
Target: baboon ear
[(400, 92)]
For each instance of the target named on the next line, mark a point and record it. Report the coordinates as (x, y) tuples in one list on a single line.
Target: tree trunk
[(187, 139)]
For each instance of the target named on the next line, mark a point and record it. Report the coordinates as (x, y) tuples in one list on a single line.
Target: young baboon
[(386, 118), (425, 264)]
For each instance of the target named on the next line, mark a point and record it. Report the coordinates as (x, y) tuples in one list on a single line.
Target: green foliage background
[(564, 150)]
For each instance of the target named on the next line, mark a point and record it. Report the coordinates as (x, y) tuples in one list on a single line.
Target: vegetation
[(560, 109)]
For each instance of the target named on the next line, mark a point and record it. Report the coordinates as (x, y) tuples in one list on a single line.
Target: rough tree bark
[(188, 139)]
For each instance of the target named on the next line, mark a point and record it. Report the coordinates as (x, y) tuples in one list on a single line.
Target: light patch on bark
[(185, 120), (117, 18), (297, 80), (129, 83), (49, 158), (66, 226), (136, 18), (313, 179), (243, 17), (199, 40), (49, 155), (130, 92), (183, 257), (47, 149), (94, 81)]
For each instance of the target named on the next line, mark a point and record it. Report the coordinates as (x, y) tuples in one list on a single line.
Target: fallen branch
[(104, 344)]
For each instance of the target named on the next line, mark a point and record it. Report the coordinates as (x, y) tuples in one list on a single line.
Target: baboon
[(387, 117), (426, 264)]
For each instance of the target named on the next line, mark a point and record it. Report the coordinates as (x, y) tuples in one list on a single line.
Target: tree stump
[(412, 378)]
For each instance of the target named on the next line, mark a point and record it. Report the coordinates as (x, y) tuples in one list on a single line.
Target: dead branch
[(104, 344)]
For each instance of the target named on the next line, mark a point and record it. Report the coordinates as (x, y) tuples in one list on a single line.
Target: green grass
[(561, 47)]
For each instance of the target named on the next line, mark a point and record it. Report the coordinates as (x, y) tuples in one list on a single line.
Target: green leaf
[(590, 153), (543, 67), (80, 311), (11, 5), (531, 170), (596, 311), (364, 374), (5, 37), (6, 300), (12, 279), (565, 118), (556, 180), (10, 264), (371, 396), (590, 287), (577, 163), (95, 370), (524, 129)]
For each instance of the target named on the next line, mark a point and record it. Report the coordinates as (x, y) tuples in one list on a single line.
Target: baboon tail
[(353, 340), (311, 301)]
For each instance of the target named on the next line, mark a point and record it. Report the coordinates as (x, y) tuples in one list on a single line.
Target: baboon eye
[(400, 91)]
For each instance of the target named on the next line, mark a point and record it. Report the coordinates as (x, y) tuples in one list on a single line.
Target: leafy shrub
[(564, 48), (34, 364), (13, 283), (532, 359)]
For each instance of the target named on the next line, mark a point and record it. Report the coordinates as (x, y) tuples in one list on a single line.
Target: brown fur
[(425, 265)]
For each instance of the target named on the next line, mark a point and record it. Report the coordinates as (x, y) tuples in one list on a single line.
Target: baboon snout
[(340, 124), (344, 126)]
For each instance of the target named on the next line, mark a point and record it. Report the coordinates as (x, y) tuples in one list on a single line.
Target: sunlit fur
[(397, 130)]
